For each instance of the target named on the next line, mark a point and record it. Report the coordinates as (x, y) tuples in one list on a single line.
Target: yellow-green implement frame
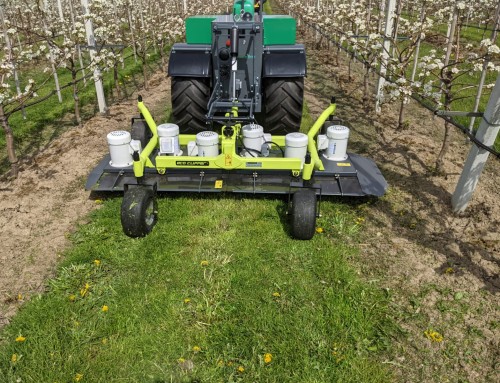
[(229, 159)]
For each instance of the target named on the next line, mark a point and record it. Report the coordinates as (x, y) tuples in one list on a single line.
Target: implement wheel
[(283, 98), (304, 214), (139, 212), (189, 103)]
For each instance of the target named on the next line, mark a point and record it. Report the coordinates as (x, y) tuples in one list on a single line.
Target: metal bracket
[(202, 176)]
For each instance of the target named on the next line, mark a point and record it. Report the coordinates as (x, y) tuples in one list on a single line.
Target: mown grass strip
[(215, 287)]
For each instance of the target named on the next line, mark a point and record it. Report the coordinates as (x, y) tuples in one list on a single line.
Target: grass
[(216, 286)]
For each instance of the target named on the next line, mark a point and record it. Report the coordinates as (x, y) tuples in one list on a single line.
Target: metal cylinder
[(296, 145), (169, 139), (119, 148), (234, 41), (338, 136), (208, 144), (253, 138)]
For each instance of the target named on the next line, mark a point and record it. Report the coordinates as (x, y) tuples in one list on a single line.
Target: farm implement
[(237, 98)]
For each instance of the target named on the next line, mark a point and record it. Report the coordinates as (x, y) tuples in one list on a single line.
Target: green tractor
[(247, 59), (237, 97)]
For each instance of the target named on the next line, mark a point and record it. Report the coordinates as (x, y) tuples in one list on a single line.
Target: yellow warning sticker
[(218, 184), (229, 160), (343, 164)]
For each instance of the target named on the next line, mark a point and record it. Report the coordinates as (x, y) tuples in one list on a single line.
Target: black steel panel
[(367, 180), (190, 61), (284, 61), (369, 175)]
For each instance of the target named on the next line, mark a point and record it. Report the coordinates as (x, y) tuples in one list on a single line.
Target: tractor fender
[(188, 60), (284, 61)]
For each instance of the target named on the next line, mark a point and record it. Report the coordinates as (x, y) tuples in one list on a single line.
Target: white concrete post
[(92, 49), (487, 133), (389, 23)]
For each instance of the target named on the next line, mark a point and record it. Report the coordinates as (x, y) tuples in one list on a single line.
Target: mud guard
[(284, 61), (189, 60)]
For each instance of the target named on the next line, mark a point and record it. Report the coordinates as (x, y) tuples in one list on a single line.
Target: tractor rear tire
[(304, 214), (190, 98), (139, 212), (283, 98)]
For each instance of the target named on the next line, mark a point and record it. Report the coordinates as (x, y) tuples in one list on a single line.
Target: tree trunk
[(366, 86), (116, 80), (76, 98), (144, 71), (349, 72), (444, 148), (11, 147), (338, 51), (447, 132), (401, 115)]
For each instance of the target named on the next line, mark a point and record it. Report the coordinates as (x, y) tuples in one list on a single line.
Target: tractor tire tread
[(284, 98), (189, 103)]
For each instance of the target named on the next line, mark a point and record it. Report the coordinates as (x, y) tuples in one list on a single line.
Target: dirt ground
[(440, 270), (48, 200)]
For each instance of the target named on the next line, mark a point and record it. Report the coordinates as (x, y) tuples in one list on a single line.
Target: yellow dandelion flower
[(78, 377), (85, 290), (268, 358), (220, 363), (181, 360), (433, 336), (98, 201), (13, 358), (20, 297), (449, 270), (241, 369), (105, 308), (187, 300), (97, 262), (196, 348), (276, 294), (204, 263), (20, 338), (319, 230), (72, 297), (360, 220)]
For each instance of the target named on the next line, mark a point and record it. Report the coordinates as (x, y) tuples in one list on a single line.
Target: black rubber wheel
[(140, 131), (304, 214), (190, 98), (283, 101), (139, 212)]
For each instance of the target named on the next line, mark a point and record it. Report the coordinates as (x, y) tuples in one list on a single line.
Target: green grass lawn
[(215, 287)]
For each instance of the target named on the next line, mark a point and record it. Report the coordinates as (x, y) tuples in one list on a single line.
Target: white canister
[(208, 144), (119, 148), (169, 139), (338, 136), (253, 137), (296, 145)]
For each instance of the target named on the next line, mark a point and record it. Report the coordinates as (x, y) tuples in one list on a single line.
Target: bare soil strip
[(46, 202), (441, 270)]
